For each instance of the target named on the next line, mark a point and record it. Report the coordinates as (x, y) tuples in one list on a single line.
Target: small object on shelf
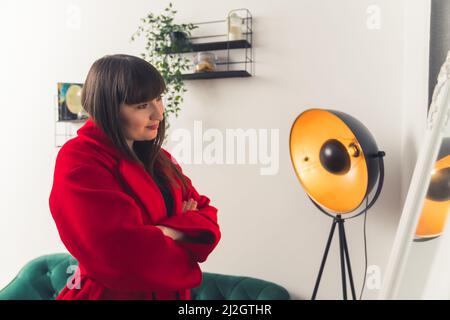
[(235, 27), (179, 41), (205, 62)]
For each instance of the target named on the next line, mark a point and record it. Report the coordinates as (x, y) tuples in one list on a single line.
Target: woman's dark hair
[(116, 79)]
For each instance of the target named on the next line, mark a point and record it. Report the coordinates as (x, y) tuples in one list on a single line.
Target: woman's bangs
[(144, 84)]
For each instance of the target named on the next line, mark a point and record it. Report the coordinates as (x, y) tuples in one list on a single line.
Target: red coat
[(106, 207)]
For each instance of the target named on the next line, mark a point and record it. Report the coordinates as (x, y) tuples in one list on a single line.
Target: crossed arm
[(176, 235)]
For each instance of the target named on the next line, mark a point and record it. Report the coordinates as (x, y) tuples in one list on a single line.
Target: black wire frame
[(249, 59)]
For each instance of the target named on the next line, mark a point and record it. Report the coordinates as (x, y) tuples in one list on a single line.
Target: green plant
[(159, 51)]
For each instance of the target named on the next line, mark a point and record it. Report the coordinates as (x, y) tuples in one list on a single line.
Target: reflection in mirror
[(429, 229), (437, 201)]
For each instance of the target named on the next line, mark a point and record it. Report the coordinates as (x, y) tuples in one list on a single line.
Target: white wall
[(308, 54)]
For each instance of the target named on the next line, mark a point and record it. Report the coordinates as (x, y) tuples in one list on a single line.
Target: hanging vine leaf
[(159, 49)]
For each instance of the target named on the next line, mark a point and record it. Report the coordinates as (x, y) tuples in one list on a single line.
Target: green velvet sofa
[(44, 277)]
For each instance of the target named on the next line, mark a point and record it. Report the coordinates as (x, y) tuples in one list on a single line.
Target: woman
[(121, 204)]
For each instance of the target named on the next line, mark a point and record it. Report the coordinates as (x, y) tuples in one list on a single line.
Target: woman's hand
[(171, 233), (191, 204)]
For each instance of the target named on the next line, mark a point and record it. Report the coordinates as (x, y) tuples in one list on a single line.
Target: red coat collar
[(132, 173), (91, 132)]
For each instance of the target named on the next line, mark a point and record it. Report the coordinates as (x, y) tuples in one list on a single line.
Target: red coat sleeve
[(199, 225), (103, 229)]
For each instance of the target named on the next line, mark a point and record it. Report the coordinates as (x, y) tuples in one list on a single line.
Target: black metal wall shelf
[(218, 45), (247, 62), (216, 75)]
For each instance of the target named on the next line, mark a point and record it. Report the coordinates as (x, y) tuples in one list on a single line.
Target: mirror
[(420, 256)]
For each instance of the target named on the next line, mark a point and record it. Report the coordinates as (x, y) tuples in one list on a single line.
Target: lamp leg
[(347, 258), (324, 259), (340, 223)]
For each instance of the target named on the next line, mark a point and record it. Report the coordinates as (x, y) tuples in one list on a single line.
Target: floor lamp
[(337, 162)]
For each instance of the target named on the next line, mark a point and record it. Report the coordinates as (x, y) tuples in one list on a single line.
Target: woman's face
[(141, 120)]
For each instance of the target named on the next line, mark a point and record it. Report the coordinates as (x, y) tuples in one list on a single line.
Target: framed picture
[(69, 102)]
